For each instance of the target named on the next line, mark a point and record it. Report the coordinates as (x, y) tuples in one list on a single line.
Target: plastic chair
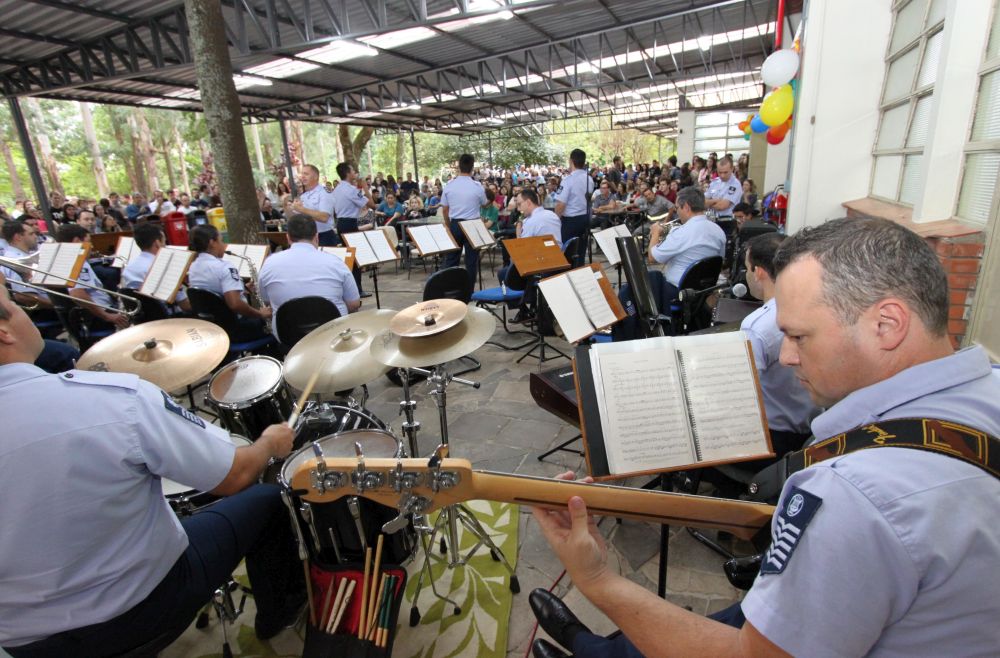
[(212, 307), (78, 322), (298, 317), (502, 296), (150, 309), (691, 312)]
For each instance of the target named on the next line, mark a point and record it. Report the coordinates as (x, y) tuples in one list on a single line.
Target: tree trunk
[(15, 180), (400, 151), (207, 176), (222, 116), (165, 149), (371, 167), (97, 162), (147, 150), (354, 148), (179, 143), (139, 183), (298, 142), (256, 147), (34, 120)]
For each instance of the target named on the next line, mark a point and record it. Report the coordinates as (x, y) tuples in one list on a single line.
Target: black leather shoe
[(543, 649), (555, 618)]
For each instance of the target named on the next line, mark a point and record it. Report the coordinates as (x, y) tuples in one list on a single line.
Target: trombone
[(20, 265)]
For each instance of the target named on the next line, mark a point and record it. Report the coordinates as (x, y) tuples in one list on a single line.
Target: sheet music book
[(606, 241), (166, 274), (664, 404), (432, 239), (345, 254), (125, 251), (255, 252), (62, 260), (370, 247), (476, 233), (582, 301)]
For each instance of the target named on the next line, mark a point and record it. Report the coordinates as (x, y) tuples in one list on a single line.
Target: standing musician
[(109, 319), (462, 199), (210, 272), (351, 198), (887, 551), (108, 567), (317, 203), (150, 239), (695, 239), (302, 270), (572, 204)]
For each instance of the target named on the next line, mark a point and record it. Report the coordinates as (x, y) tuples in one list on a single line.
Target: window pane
[(709, 145), (994, 48), (886, 177), (715, 131), (978, 182), (899, 80), (909, 23), (712, 119), (909, 189), (986, 124), (936, 14), (932, 55), (921, 121), (890, 133)]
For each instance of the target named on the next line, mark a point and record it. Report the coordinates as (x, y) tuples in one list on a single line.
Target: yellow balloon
[(777, 106)]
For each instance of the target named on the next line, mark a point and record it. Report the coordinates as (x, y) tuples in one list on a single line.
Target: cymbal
[(340, 348), (169, 353), (428, 318), (462, 339)]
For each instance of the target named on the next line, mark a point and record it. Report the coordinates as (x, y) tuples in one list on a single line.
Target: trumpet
[(665, 226), (20, 265), (253, 293)]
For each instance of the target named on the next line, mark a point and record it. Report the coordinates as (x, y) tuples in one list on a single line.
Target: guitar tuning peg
[(358, 450)]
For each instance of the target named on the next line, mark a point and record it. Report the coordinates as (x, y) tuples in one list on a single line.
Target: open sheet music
[(345, 254), (166, 274), (661, 404), (255, 252), (432, 239), (62, 260), (476, 233), (125, 251), (370, 247), (582, 301), (606, 241)]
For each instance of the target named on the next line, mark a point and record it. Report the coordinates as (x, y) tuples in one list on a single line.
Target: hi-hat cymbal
[(428, 318), (169, 353), (340, 348), (462, 339)]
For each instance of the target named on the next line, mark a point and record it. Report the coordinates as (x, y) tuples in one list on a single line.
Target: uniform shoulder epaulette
[(102, 378)]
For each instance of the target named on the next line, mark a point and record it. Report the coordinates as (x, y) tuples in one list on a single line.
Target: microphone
[(738, 290)]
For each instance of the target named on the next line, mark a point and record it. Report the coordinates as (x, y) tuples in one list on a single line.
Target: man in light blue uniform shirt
[(351, 199), (109, 566), (91, 292), (572, 204), (886, 551), (725, 191), (695, 239), (537, 222), (461, 200), (149, 238), (302, 270), (317, 203)]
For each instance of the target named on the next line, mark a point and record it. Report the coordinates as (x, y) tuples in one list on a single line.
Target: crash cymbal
[(462, 339), (340, 348), (169, 353), (428, 318)]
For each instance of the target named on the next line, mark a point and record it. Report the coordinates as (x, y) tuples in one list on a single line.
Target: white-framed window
[(720, 132), (976, 195), (907, 97)]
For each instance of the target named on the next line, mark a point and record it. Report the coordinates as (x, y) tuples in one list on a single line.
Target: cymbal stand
[(410, 426), (449, 517)]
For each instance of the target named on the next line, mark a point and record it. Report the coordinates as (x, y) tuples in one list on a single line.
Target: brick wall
[(962, 259)]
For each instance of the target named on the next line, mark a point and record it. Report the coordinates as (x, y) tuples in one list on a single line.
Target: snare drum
[(249, 394), (338, 527), (184, 500)]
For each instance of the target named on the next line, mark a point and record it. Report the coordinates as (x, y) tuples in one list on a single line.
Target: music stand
[(535, 257), (635, 270)]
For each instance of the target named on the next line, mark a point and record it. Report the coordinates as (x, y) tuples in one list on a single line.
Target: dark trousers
[(254, 524), (249, 329), (588, 645), (664, 293), (57, 357), (328, 239), (348, 225), (577, 226), (452, 258)]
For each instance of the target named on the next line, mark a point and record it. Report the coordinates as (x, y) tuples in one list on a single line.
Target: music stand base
[(562, 447)]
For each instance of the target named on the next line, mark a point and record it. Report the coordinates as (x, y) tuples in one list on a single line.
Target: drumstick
[(375, 576), (362, 618), (343, 606), (309, 592), (306, 392), (336, 604), (376, 609), (326, 604)]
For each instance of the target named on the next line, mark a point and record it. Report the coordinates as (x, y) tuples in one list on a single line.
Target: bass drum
[(341, 530), (184, 500)]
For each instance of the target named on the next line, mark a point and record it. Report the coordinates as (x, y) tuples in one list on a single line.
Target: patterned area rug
[(481, 588)]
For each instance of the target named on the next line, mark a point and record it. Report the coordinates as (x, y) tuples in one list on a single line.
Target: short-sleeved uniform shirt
[(694, 240), (319, 199), (135, 273), (574, 191), (890, 551), (542, 222), (730, 190), (210, 273), (88, 276), (87, 531), (463, 197), (16, 280), (348, 201)]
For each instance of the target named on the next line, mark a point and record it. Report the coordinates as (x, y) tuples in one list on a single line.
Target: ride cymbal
[(428, 318), (169, 353), (340, 348), (462, 339)]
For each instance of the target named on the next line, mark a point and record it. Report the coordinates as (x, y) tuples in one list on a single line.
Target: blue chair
[(502, 296), (212, 307), (691, 312)]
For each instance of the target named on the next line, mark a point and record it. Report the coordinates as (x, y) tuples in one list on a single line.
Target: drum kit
[(325, 368)]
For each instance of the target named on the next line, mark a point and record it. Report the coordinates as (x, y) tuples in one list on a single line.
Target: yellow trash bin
[(217, 218)]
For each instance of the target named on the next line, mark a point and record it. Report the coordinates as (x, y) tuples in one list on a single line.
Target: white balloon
[(779, 68)]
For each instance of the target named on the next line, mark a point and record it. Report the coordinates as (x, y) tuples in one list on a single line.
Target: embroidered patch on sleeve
[(234, 273), (796, 512), (173, 407)]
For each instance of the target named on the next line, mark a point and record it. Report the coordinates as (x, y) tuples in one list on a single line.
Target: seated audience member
[(150, 239), (414, 208), (894, 543), (303, 270), (90, 290), (433, 202), (656, 207), (136, 208), (390, 210), (603, 201), (490, 214), (210, 272), (749, 192)]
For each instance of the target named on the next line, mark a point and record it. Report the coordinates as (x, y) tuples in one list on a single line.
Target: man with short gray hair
[(695, 239)]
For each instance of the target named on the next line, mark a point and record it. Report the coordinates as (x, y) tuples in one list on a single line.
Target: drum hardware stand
[(410, 426)]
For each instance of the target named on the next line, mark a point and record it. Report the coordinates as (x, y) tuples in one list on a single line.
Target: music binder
[(432, 239), (370, 247), (257, 253), (345, 254), (476, 233), (606, 241), (536, 255), (582, 301), (125, 251), (166, 274), (665, 404), (62, 261)]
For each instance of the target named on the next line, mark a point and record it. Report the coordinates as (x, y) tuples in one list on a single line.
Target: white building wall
[(685, 136)]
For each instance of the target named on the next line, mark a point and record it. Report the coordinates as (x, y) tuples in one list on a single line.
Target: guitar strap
[(943, 437)]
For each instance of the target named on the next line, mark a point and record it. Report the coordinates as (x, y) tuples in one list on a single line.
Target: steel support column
[(413, 147), (489, 146), (288, 158), (29, 157)]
